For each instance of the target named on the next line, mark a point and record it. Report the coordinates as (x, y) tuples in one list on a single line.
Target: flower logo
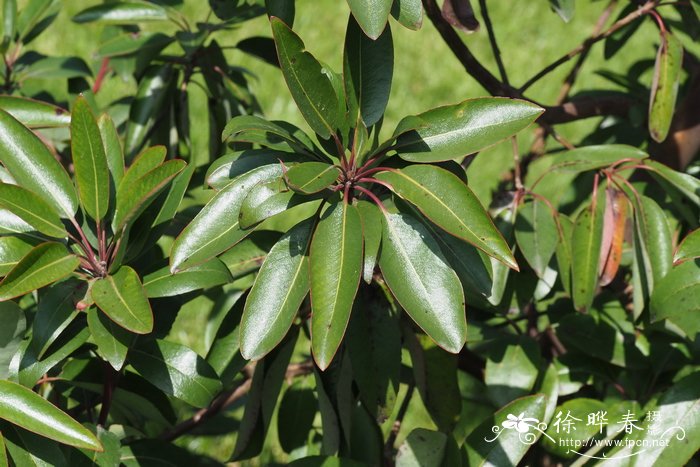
[(520, 423)]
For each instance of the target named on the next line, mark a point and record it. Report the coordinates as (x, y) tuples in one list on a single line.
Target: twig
[(472, 66), (104, 68), (228, 398), (646, 8), (494, 43)]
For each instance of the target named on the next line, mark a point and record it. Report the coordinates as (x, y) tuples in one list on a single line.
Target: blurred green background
[(426, 75)]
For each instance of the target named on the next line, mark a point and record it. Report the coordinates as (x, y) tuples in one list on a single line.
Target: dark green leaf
[(56, 68), (112, 341), (55, 312), (122, 13), (422, 281), (224, 355), (45, 264), (34, 167), (368, 67), (279, 289), (216, 228), (514, 374), (371, 15), (89, 160), (458, 130), (27, 448), (422, 447), (276, 135), (232, 165), (443, 198), (130, 43), (164, 284), (596, 157), (677, 297), (122, 297), (248, 255), (686, 184), (34, 113), (22, 407), (32, 368), (11, 336), (324, 461), (12, 249), (32, 209), (268, 199), (585, 252), (564, 8), (372, 233), (688, 249), (536, 233), (176, 370), (297, 409), (311, 177), (563, 252), (283, 9), (664, 89), (408, 12), (335, 264), (113, 149), (310, 88)]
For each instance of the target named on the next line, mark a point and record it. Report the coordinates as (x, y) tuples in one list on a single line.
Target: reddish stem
[(374, 180), (104, 68), (372, 196)]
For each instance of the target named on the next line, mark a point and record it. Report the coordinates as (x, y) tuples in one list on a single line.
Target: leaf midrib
[(113, 285)]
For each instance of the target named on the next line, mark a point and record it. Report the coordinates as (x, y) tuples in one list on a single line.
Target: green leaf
[(224, 354), (579, 431), (368, 67), (32, 368), (564, 8), (536, 233), (216, 228), (310, 87), (654, 232), (408, 12), (122, 13), (253, 129), (34, 167), (232, 165), (444, 199), (33, 14), (422, 281), (122, 297), (688, 249), (112, 341), (325, 461), (130, 43), (56, 310), (46, 263), (297, 409), (12, 250), (27, 448), (248, 255), (132, 200), (586, 242), (311, 177), (9, 18), (458, 130), (491, 443), (11, 224), (47, 68), (89, 160), (371, 15), (374, 345), (686, 184), (664, 88), (146, 107), (677, 297), (34, 113), (278, 291), (176, 370), (11, 336), (164, 284), (22, 407), (3, 453), (335, 264), (514, 373), (372, 233), (595, 157), (268, 199), (422, 447), (113, 149), (563, 252), (32, 209)]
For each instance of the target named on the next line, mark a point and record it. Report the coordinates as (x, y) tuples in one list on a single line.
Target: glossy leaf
[(595, 157), (113, 149), (34, 113), (422, 281), (686, 184), (112, 340), (563, 252), (56, 68), (44, 264), (585, 251), (664, 88), (297, 409), (372, 233), (422, 447), (132, 200), (310, 88), (176, 370), (253, 129), (216, 228), (677, 297), (164, 284), (371, 15), (655, 235), (12, 250), (266, 200), (130, 43), (233, 165), (368, 67), (89, 160), (146, 107), (224, 355), (22, 407), (408, 12), (444, 199), (536, 233), (55, 312), (32, 209), (34, 167), (122, 297), (122, 13), (335, 265), (278, 291), (458, 130), (11, 336), (688, 249), (311, 177)]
